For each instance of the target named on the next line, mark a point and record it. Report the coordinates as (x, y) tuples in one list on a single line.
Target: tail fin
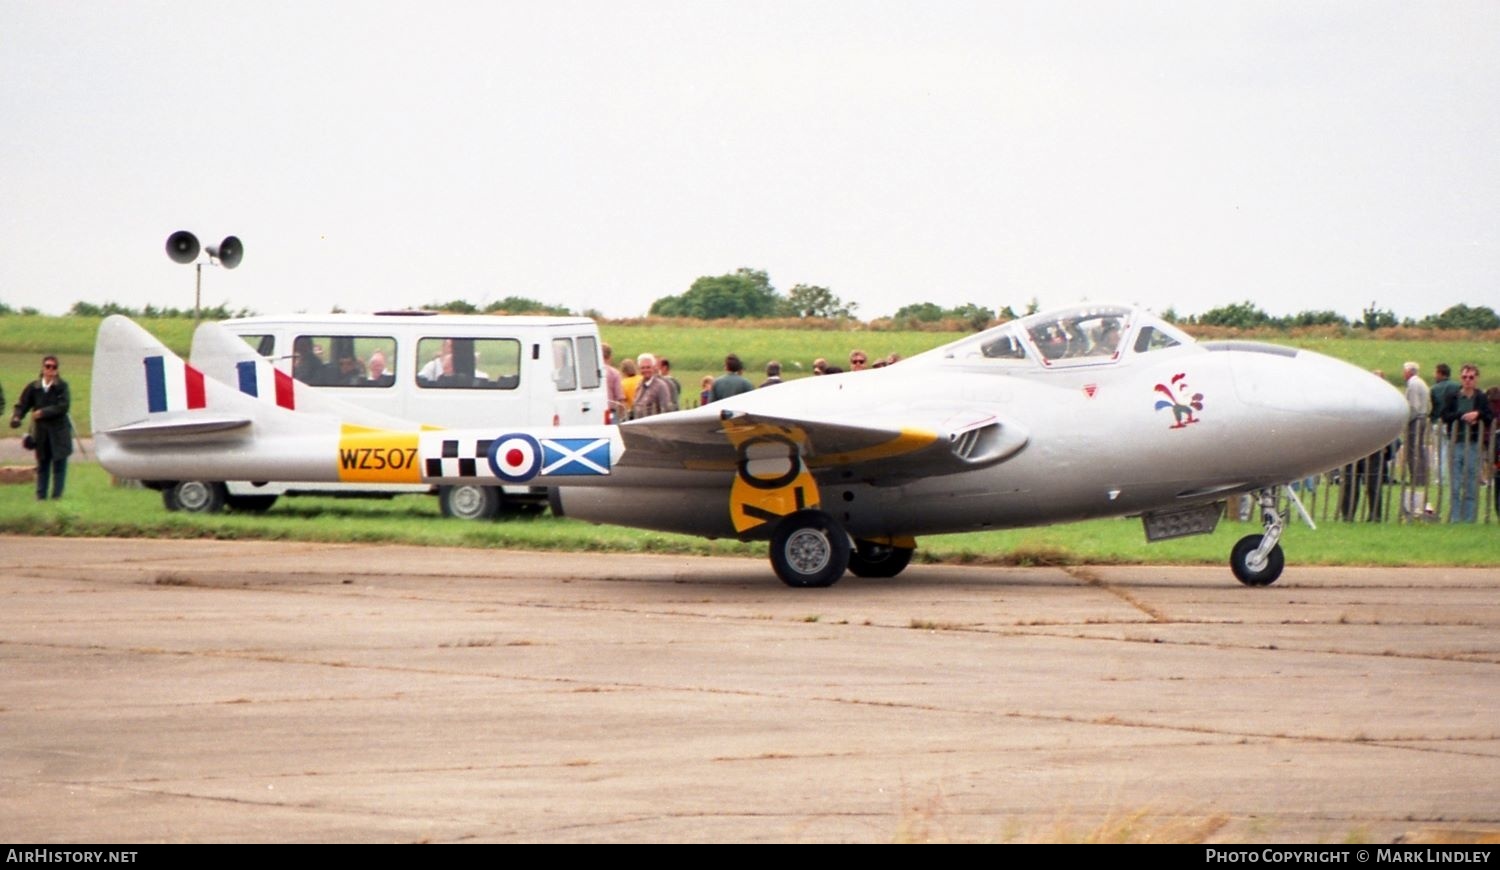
[(157, 417), (226, 358), (141, 386)]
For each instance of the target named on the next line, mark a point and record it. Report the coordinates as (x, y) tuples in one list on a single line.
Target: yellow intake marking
[(908, 441)]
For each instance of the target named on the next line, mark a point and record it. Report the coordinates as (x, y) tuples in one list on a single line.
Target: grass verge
[(95, 508)]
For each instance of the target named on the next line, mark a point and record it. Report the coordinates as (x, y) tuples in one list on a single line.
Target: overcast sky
[(1303, 155)]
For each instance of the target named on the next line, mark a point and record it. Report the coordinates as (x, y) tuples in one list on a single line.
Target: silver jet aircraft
[(1091, 411)]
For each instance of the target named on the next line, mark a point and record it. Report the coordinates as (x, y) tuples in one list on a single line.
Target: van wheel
[(198, 496), (469, 501)]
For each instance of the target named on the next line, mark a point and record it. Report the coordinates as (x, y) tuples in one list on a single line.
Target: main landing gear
[(1257, 560), (810, 549)]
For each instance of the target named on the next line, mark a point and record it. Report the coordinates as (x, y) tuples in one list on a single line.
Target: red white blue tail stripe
[(172, 385), (264, 381)]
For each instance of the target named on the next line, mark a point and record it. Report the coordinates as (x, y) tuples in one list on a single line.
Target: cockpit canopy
[(1078, 336)]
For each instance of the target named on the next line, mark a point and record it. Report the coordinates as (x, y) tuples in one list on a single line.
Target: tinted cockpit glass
[(1151, 338), (1080, 334), (1005, 346)]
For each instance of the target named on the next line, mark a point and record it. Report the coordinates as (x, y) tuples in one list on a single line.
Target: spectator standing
[(630, 381), (1467, 411), (612, 383), (1493, 394), (1418, 410), (653, 396), (773, 374), (664, 371), (44, 403), (732, 382), (1442, 386)]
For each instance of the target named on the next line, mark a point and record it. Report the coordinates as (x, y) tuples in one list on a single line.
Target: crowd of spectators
[(1447, 454)]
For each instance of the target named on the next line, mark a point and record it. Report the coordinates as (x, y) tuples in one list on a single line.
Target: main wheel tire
[(809, 550), (469, 501), (199, 496), (250, 504), (870, 559), (169, 498), (1255, 575)]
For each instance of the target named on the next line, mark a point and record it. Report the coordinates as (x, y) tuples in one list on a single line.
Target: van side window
[(564, 373), (344, 360), (265, 345), (456, 363), (588, 362)]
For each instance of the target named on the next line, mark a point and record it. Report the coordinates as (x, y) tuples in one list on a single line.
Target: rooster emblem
[(1182, 408)]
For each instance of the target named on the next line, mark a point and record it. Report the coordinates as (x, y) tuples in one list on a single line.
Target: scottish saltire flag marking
[(257, 378), (574, 456), (172, 385)]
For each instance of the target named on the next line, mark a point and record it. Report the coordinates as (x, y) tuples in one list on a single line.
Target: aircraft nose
[(1353, 395), (1360, 413)]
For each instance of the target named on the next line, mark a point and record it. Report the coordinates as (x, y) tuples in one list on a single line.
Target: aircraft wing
[(925, 442)]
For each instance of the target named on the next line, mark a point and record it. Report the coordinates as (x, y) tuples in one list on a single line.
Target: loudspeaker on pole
[(182, 246), (229, 252)]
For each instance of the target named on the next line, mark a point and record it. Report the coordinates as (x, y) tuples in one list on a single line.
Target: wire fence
[(1433, 474)]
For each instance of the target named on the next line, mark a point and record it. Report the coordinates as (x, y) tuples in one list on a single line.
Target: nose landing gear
[(1257, 560)]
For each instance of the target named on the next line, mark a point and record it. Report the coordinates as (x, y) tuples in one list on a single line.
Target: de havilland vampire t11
[(1091, 411)]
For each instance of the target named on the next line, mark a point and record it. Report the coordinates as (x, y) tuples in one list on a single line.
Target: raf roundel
[(515, 458)]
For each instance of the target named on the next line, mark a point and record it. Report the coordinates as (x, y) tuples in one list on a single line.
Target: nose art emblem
[(1178, 399)]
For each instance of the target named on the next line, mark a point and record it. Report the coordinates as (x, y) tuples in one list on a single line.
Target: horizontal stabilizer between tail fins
[(198, 425)]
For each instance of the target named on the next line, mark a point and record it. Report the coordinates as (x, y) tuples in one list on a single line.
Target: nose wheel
[(809, 549), (1257, 560)]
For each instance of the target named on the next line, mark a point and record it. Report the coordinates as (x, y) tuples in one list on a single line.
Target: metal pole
[(198, 295)]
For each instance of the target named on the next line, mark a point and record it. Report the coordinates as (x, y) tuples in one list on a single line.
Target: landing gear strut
[(1257, 560)]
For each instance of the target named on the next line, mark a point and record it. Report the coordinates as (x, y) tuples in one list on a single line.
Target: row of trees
[(1247, 315), (89, 309), (508, 305), (748, 294)]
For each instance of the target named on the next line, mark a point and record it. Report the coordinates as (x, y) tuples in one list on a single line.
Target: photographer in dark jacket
[(1467, 411), (44, 404)]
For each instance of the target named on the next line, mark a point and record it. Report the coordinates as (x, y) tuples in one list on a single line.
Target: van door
[(576, 381)]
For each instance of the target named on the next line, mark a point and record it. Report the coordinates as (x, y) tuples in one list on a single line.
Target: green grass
[(95, 508)]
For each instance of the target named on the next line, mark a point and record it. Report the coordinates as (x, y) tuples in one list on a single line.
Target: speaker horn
[(229, 252), (182, 247)]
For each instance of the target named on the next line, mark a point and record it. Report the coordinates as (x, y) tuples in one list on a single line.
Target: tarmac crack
[(1092, 578)]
